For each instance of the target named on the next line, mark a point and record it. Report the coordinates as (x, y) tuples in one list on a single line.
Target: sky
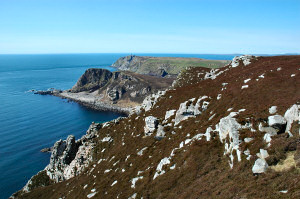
[(150, 26)]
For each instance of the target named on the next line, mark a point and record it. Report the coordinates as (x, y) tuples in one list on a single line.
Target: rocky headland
[(119, 91), (231, 132)]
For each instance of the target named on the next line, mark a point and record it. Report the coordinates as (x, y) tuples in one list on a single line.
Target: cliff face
[(92, 80), (231, 132), (163, 66)]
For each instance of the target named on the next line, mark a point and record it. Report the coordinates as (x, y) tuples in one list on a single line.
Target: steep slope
[(231, 132), (163, 66)]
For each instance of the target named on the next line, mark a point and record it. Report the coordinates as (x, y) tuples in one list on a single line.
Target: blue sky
[(149, 26)]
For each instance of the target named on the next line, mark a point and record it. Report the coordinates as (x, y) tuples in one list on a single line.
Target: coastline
[(95, 105), (88, 100)]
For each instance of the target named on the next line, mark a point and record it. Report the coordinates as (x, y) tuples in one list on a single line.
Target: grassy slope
[(172, 65)]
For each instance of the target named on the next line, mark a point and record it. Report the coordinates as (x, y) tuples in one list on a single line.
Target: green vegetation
[(40, 180), (173, 65)]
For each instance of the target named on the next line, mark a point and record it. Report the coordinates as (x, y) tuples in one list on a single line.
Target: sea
[(29, 122)]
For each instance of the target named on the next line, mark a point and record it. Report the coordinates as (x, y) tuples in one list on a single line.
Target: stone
[(160, 131), (169, 114), (228, 126), (273, 109), (291, 115), (245, 59), (187, 109), (150, 125), (278, 122), (260, 166), (263, 154), (46, 150)]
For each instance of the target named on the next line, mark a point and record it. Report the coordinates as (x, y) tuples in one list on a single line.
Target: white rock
[(276, 119), (115, 182), (140, 153), (246, 80), (273, 109), (244, 86), (159, 170), (293, 75), (260, 166), (291, 115), (150, 125), (134, 180), (263, 154), (228, 126), (160, 131), (246, 59), (283, 191), (169, 114), (133, 196), (247, 140)]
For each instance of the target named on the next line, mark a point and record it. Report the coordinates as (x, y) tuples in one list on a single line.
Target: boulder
[(150, 125), (260, 166), (160, 131), (169, 114), (291, 115), (277, 122), (273, 109)]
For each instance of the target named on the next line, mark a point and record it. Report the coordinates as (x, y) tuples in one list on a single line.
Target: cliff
[(231, 132), (163, 66)]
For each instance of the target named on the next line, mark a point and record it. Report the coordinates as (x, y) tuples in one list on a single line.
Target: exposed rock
[(50, 91), (45, 150), (150, 125), (169, 114), (273, 109), (160, 131), (64, 151), (291, 115), (92, 79), (260, 166), (263, 154), (228, 126), (245, 59), (187, 109), (277, 122)]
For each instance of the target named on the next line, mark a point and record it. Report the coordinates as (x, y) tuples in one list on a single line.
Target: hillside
[(163, 66), (231, 132)]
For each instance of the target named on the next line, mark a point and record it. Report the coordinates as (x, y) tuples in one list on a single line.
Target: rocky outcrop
[(244, 59), (68, 159), (92, 79), (150, 125)]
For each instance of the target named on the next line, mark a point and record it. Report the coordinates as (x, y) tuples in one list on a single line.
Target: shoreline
[(87, 100), (97, 106)]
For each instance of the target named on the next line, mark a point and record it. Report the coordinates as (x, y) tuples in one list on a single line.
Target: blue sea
[(31, 122)]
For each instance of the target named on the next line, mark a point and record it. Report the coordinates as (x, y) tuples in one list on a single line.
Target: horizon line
[(149, 53)]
